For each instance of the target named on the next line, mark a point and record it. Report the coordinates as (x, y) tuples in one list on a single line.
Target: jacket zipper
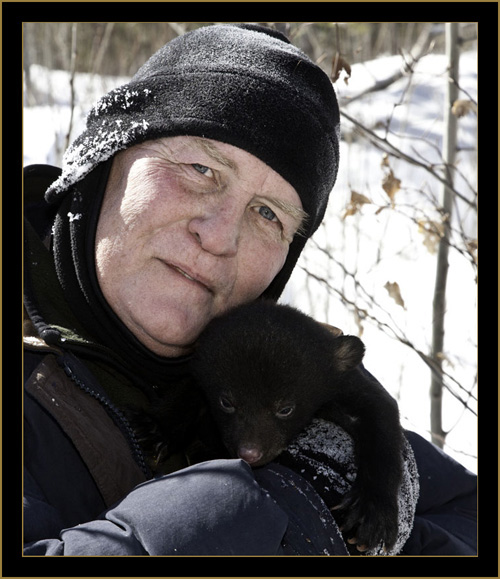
[(117, 416)]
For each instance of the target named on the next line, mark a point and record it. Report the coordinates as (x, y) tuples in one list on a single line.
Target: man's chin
[(169, 341)]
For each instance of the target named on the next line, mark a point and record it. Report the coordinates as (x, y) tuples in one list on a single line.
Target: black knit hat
[(245, 85)]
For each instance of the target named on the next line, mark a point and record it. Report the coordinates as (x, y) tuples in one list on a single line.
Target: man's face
[(188, 228)]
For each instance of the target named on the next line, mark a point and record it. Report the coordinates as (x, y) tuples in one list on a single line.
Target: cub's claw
[(368, 521)]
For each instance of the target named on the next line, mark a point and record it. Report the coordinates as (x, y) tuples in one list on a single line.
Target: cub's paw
[(367, 520)]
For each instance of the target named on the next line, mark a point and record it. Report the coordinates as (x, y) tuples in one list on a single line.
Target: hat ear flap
[(348, 353)]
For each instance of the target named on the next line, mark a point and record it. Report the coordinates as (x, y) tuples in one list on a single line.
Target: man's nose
[(218, 228)]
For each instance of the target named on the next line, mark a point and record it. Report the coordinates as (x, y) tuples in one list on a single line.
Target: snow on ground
[(379, 246)]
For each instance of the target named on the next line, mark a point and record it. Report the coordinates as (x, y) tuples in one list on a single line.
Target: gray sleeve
[(213, 508)]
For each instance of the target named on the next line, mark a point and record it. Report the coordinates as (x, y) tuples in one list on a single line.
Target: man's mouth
[(181, 271), (191, 277)]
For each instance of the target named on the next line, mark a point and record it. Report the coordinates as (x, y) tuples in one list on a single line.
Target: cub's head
[(265, 371)]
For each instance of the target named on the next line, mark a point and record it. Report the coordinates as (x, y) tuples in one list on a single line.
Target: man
[(193, 188)]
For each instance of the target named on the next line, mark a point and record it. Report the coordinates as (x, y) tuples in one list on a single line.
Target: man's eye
[(202, 169), (267, 213)]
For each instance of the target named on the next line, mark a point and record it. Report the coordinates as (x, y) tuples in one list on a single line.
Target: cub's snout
[(251, 454)]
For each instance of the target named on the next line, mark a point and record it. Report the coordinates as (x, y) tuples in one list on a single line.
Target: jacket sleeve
[(41, 519), (206, 509), (446, 515)]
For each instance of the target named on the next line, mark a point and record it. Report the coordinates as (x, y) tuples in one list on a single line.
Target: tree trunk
[(439, 303)]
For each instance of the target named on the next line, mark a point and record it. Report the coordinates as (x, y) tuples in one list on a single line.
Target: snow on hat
[(245, 85)]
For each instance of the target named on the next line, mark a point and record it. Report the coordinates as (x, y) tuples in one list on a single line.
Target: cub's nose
[(249, 454)]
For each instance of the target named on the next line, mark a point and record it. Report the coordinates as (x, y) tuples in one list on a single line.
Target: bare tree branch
[(384, 145), (396, 333)]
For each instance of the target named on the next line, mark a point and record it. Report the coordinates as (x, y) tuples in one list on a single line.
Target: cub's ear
[(348, 352)]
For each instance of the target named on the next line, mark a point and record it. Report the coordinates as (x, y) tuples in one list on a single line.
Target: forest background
[(395, 260)]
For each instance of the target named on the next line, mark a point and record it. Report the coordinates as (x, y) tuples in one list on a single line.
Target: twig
[(391, 149), (72, 82)]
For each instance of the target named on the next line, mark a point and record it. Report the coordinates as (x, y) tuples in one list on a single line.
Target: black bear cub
[(267, 370)]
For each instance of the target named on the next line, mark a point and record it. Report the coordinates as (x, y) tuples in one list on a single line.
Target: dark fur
[(267, 370)]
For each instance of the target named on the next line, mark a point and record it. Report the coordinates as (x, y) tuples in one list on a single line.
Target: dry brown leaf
[(444, 358), (432, 231), (359, 198), (356, 202), (472, 248), (472, 245), (391, 185), (339, 64), (460, 108), (395, 293), (359, 316), (350, 210), (385, 160)]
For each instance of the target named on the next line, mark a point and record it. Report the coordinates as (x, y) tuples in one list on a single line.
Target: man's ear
[(348, 352)]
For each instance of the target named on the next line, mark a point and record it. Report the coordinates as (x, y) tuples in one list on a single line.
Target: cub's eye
[(285, 412), (226, 405), (202, 169), (267, 213)]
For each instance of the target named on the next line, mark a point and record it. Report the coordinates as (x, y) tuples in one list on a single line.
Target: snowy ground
[(379, 246)]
